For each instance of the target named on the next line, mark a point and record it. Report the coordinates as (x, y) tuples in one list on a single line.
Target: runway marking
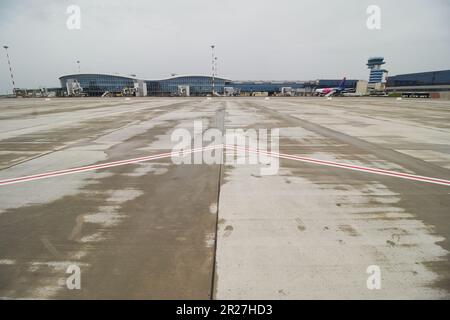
[(103, 165), (345, 166), (190, 151)]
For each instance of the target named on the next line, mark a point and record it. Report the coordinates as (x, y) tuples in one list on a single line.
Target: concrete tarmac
[(159, 230)]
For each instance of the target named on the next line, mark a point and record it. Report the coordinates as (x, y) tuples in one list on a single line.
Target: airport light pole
[(79, 68), (213, 67), (10, 69)]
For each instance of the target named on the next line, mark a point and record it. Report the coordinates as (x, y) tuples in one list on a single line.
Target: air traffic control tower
[(377, 74)]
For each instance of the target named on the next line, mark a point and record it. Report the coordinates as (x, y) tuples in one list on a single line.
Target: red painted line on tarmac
[(345, 166), (231, 147), (103, 165)]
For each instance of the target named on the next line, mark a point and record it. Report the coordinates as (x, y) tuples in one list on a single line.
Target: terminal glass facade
[(264, 86), (198, 85), (332, 83), (97, 84), (434, 78)]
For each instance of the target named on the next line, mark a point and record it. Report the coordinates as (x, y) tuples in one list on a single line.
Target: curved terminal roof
[(186, 76), (135, 78), (100, 74)]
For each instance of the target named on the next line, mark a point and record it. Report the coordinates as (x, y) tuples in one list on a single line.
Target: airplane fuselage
[(325, 90), (331, 91)]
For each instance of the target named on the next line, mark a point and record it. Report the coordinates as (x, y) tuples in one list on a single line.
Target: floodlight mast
[(213, 69), (10, 69)]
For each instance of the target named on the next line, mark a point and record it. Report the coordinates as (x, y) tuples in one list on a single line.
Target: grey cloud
[(283, 39)]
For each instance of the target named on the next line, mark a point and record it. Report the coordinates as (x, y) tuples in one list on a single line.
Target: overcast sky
[(255, 39)]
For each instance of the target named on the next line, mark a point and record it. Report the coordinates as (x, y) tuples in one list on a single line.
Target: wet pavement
[(158, 230)]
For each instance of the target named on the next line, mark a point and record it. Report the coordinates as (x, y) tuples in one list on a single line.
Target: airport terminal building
[(100, 84), (186, 85), (176, 85), (434, 84), (97, 84)]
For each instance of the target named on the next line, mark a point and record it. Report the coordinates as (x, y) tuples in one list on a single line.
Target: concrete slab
[(158, 230)]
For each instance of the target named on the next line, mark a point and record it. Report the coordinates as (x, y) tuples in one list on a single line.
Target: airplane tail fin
[(342, 84)]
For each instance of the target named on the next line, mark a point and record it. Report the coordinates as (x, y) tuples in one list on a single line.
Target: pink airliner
[(331, 91)]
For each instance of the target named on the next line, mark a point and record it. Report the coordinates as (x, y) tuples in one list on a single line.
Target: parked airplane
[(327, 92)]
